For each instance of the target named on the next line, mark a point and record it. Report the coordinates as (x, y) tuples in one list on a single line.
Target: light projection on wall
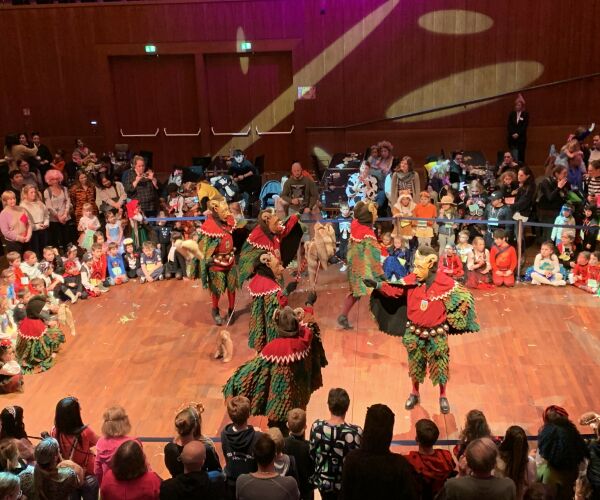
[(455, 22), (240, 39)]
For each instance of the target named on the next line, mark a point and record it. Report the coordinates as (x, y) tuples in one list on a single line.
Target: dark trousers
[(39, 239), (330, 495), (60, 235), (14, 246)]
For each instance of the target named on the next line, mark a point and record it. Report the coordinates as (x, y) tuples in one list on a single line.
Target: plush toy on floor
[(224, 349)]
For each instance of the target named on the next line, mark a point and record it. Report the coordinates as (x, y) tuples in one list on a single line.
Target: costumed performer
[(364, 257), (287, 371), (216, 258), (424, 308), (270, 235)]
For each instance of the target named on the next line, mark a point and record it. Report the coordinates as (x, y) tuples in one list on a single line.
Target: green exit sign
[(150, 49), (246, 46)]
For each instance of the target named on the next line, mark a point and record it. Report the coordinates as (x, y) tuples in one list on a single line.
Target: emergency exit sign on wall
[(150, 49)]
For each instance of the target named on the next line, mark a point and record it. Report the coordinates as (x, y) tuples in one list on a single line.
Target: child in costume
[(589, 233), (37, 343), (564, 218), (72, 285), (91, 286), (98, 268), (495, 212), (396, 264), (451, 264), (426, 210), (546, 267), (446, 229), (364, 257), (114, 230), (139, 234), (594, 271), (115, 265), (131, 259), (8, 286), (479, 266), (8, 327), (11, 378), (87, 227), (503, 258), (51, 255), (403, 207), (463, 247), (287, 370), (567, 253), (342, 234), (151, 267), (424, 308), (385, 245), (581, 273)]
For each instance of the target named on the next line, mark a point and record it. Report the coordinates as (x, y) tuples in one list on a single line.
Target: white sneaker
[(142, 281), (344, 268)]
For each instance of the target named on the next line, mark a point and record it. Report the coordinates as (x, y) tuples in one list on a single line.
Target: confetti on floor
[(127, 318)]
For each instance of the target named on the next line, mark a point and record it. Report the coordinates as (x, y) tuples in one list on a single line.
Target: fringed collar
[(31, 328), (359, 232), (213, 229), (442, 286), (259, 239), (260, 286), (285, 351)]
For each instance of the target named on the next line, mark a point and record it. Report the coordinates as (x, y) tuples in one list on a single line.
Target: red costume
[(434, 469), (502, 259), (452, 266)]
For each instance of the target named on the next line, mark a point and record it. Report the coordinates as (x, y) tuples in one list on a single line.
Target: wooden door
[(158, 92), (252, 91)]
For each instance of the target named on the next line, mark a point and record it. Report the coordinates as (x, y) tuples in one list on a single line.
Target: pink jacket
[(105, 449)]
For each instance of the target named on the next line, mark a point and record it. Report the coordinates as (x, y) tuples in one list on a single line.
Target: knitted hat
[(127, 241), (34, 306), (362, 213), (497, 195), (286, 321)]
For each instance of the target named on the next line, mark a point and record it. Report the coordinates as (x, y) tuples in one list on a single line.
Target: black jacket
[(192, 486), (298, 447), (237, 448), (512, 127)]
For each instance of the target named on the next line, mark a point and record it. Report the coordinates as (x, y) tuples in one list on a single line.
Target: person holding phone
[(141, 184)]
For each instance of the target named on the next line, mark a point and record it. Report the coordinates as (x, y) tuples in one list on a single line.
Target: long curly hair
[(561, 445), (476, 427)]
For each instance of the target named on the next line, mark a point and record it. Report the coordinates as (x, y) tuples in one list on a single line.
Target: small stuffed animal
[(319, 250), (224, 346)]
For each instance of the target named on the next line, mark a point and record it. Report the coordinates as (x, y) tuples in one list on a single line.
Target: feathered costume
[(284, 374)]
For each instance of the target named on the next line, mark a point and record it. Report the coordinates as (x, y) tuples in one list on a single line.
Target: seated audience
[(12, 426), (300, 192), (546, 268), (373, 471), (503, 259)]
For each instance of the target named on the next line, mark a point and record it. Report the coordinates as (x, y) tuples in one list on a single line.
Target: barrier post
[(520, 230)]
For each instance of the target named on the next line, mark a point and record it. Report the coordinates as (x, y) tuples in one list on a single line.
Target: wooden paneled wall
[(368, 60)]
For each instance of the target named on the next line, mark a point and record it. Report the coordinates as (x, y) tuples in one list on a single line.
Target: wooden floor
[(148, 347)]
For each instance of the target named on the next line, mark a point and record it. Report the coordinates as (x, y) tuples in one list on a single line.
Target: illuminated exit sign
[(150, 49)]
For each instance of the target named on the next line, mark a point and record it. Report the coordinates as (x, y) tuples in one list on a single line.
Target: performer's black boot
[(216, 316), (411, 402), (343, 322), (444, 405)]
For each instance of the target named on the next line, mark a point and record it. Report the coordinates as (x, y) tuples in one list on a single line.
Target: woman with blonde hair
[(188, 425), (31, 200), (15, 224), (58, 202), (115, 431)]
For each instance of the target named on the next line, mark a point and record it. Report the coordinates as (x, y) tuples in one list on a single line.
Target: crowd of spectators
[(339, 459)]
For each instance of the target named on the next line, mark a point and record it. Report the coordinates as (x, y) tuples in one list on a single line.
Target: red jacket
[(453, 264), (503, 259)]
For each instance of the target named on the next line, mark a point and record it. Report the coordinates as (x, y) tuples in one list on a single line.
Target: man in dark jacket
[(194, 482)]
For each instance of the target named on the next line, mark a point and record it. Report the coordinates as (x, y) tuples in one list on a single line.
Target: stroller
[(268, 192)]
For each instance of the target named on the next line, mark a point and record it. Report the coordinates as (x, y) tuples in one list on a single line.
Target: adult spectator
[(457, 170), (12, 426), (10, 486), (15, 224), (10, 461), (141, 184), (297, 446), (553, 192), (194, 481), (330, 441), (82, 191), (44, 156), (76, 441), (525, 195), (514, 461), (50, 478), (16, 183), (80, 153), (58, 202), (284, 464), (575, 172), (592, 183), (246, 177), (110, 195), (373, 471), (14, 150), (31, 200), (300, 192), (188, 425), (361, 186), (481, 457), (266, 483), (115, 430), (237, 441), (404, 178), (29, 177), (386, 159), (475, 427), (563, 449), (508, 163), (516, 128), (130, 477), (432, 466), (595, 150)]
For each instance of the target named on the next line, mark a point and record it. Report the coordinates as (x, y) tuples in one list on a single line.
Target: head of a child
[(86, 210), (71, 252), (566, 211), (463, 237), (49, 254), (399, 242), (172, 190), (148, 248), (583, 258), (111, 217), (500, 237), (30, 258), (235, 208), (99, 237), (14, 259), (113, 249), (547, 249), (7, 352), (424, 198), (97, 251), (449, 250), (345, 210), (386, 239), (39, 286), (238, 409), (46, 268), (8, 276), (567, 239), (296, 421), (497, 199), (128, 245), (478, 243), (427, 433), (595, 258)]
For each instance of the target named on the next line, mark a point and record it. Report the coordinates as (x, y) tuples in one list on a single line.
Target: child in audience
[(463, 247), (114, 230), (594, 271), (566, 253), (163, 233), (98, 268), (23, 297), (115, 265), (433, 466), (131, 259), (581, 272), (8, 286), (396, 264), (589, 234), (59, 160), (424, 228), (479, 266), (446, 230), (87, 227), (136, 219), (404, 207), (101, 239), (174, 202), (11, 378), (451, 264), (546, 267), (8, 327), (29, 266), (296, 445), (503, 258), (73, 287), (564, 218), (51, 255), (91, 287), (385, 244), (151, 267), (53, 282), (21, 279), (175, 265)]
